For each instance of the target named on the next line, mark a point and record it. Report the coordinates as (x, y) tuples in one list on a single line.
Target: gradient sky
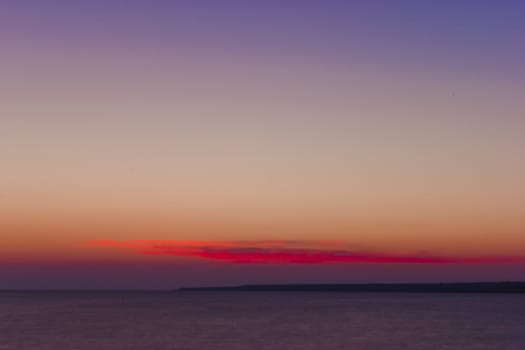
[(155, 144)]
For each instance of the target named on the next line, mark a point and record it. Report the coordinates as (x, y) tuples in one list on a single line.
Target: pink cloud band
[(288, 252)]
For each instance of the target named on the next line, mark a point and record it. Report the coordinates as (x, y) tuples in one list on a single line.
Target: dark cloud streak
[(284, 252)]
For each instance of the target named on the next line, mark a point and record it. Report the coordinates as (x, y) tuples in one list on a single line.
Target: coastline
[(459, 287)]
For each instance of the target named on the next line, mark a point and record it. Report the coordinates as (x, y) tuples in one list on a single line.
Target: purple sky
[(394, 125)]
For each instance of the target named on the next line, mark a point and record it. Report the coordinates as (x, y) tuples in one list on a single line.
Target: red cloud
[(286, 252)]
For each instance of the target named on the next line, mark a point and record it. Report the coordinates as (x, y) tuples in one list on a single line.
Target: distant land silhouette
[(460, 287)]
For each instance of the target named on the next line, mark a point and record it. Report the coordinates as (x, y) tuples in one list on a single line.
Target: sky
[(157, 144)]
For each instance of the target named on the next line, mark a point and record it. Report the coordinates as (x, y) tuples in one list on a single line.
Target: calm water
[(289, 321)]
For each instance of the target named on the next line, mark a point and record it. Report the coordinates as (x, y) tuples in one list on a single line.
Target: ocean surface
[(252, 320)]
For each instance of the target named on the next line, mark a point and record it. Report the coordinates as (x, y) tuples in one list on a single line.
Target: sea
[(260, 321)]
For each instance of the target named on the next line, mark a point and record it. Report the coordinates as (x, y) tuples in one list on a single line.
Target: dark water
[(229, 320)]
